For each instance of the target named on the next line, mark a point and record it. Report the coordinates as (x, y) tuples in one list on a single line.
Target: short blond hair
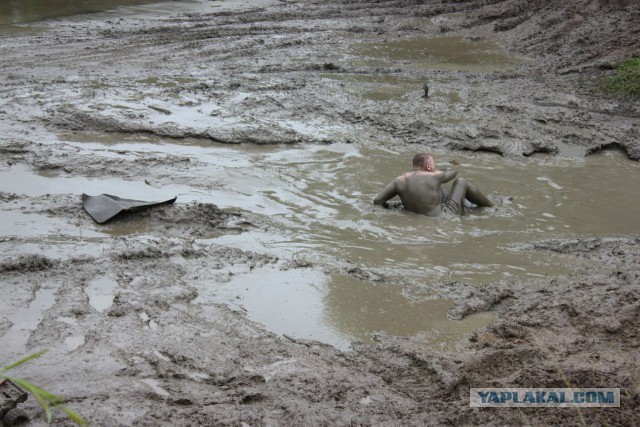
[(420, 159)]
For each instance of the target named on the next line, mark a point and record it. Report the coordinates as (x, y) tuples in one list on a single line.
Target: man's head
[(423, 161)]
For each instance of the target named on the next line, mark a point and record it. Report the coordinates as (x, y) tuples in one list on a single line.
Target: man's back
[(420, 189), (420, 192)]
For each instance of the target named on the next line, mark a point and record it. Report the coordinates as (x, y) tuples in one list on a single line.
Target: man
[(420, 190)]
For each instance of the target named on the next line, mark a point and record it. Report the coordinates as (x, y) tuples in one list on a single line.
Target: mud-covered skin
[(421, 190), (420, 193), (154, 357)]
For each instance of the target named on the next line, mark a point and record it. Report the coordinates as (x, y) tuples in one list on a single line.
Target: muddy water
[(18, 15), (316, 201), (417, 55), (320, 200), (445, 53), (24, 11)]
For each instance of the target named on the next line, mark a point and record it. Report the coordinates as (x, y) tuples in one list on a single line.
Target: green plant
[(45, 399), (625, 81)]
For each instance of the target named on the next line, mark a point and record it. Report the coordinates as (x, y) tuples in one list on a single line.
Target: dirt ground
[(150, 357)]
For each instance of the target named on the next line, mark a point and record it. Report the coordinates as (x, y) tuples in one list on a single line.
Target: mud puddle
[(25, 320), (101, 292), (443, 53), (316, 202), (425, 60), (337, 309), (24, 15), (25, 11)]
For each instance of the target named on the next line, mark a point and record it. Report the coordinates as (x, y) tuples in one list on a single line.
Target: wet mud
[(273, 292)]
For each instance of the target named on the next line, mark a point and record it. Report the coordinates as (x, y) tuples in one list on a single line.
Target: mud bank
[(144, 354), (131, 312)]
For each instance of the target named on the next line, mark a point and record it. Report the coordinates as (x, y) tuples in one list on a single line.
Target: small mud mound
[(472, 299), (5, 325), (30, 262), (175, 220), (195, 214), (195, 220), (191, 220), (580, 246), (66, 160), (251, 132)]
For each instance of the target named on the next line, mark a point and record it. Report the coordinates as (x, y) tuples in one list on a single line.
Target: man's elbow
[(449, 175), (380, 201)]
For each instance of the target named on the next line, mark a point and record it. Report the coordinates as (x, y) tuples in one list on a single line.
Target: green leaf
[(74, 417), (21, 361), (44, 398), (34, 391), (51, 398)]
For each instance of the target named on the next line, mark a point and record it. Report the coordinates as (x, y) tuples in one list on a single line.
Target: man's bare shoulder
[(420, 174)]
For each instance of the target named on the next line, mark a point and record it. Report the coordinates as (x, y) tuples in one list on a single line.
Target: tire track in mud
[(244, 62)]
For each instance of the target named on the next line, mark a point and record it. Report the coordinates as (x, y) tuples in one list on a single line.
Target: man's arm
[(386, 194), (449, 175)]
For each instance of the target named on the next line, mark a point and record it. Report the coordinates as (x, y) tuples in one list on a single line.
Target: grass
[(625, 82), (45, 399), (539, 343)]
